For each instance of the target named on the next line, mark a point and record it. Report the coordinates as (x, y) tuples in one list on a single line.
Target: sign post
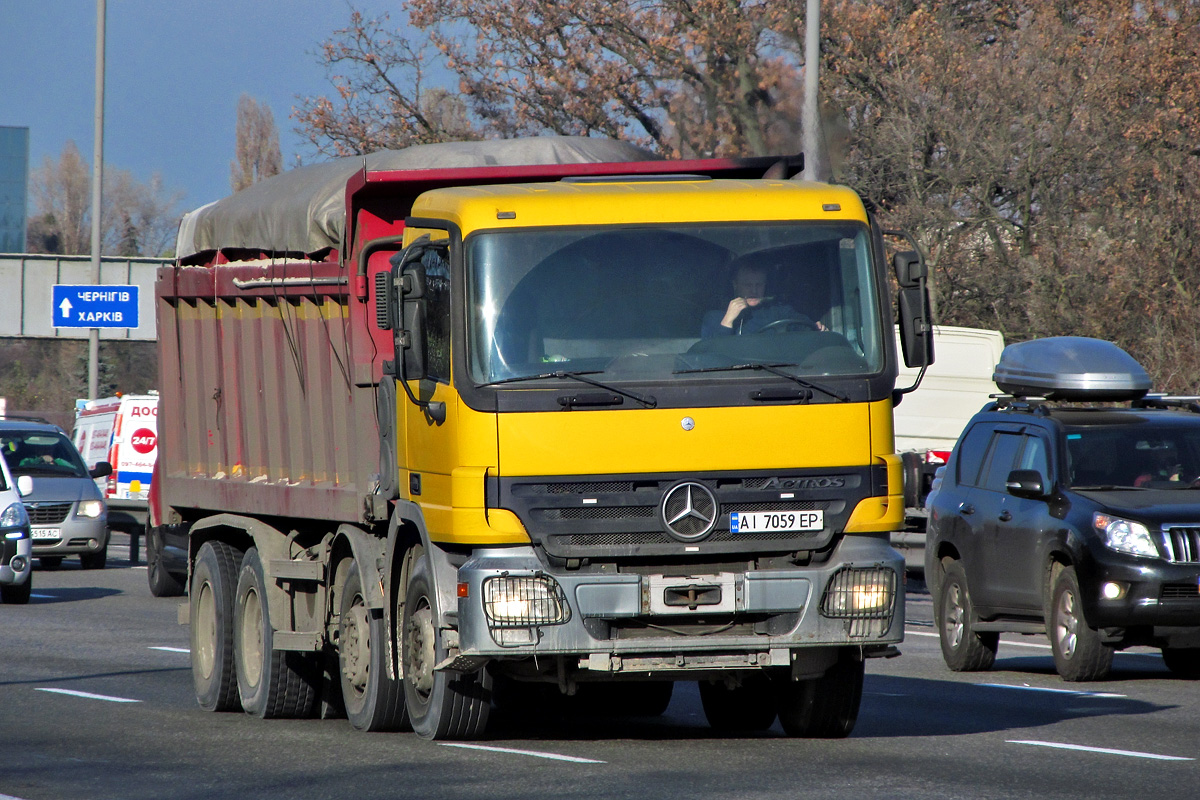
[(88, 306)]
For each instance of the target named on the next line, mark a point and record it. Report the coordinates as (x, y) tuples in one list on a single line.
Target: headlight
[(1125, 536), (523, 602), (860, 594), (91, 508), (14, 516)]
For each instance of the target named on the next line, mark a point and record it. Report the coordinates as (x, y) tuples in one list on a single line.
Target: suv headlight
[(91, 508), (14, 516), (1125, 536)]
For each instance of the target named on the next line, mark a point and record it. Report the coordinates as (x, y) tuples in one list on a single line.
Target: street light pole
[(97, 196), (810, 117)]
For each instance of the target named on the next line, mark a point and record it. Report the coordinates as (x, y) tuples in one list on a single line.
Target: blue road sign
[(104, 306)]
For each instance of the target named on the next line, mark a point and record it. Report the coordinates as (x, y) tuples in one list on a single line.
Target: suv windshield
[(658, 303), (1141, 456), (44, 453)]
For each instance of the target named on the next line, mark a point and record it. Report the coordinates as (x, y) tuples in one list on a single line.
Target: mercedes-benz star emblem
[(687, 423), (689, 511)]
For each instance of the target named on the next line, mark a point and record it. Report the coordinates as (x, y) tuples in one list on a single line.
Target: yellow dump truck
[(490, 422)]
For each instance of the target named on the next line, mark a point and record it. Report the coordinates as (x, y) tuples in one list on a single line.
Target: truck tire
[(214, 583), (18, 594), (441, 704), (162, 583), (824, 707), (1184, 662), (271, 684), (963, 649), (372, 700), (742, 709), (1079, 655)]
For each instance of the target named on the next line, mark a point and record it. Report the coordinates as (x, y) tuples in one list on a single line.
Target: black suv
[(1082, 523)]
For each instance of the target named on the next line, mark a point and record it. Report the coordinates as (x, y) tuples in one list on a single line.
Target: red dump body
[(269, 367)]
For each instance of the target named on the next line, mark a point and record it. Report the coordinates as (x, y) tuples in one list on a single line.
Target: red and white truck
[(122, 430)]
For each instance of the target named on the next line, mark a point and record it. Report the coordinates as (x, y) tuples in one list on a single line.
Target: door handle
[(966, 508), (1005, 516)]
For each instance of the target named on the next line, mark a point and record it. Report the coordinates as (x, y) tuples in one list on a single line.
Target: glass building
[(14, 182)]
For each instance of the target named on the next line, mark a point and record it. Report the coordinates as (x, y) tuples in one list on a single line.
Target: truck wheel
[(162, 583), (18, 594), (963, 649), (1184, 662), (1079, 655), (271, 684), (373, 701), (441, 704), (94, 560), (214, 583), (824, 707), (742, 709)]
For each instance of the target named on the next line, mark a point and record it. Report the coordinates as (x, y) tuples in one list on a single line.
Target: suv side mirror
[(1027, 483), (24, 485), (102, 470)]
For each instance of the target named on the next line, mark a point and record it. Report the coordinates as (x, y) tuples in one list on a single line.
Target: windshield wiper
[(774, 369), (579, 375)]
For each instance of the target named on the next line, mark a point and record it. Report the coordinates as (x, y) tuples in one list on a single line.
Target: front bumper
[(73, 536), (1155, 593), (18, 551), (641, 623)]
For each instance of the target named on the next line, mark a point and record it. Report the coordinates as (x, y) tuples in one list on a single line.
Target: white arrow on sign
[(65, 305)]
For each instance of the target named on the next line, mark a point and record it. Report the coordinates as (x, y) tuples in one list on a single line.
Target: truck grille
[(1183, 543), (47, 513)]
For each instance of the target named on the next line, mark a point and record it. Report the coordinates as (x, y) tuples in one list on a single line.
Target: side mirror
[(24, 485), (910, 269), (916, 330), (412, 338), (102, 470), (1027, 483)]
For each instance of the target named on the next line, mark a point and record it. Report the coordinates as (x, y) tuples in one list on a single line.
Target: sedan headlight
[(14, 516), (1125, 536), (91, 508)]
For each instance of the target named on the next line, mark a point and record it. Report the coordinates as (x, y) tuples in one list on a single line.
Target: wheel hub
[(356, 647), (420, 650)]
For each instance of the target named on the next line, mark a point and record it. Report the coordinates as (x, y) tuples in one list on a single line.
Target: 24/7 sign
[(104, 306)]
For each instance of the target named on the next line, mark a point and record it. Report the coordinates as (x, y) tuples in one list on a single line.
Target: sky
[(174, 72)]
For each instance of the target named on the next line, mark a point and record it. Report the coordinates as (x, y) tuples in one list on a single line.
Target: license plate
[(46, 533), (769, 521)]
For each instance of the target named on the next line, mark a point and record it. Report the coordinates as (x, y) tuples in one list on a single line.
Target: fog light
[(93, 544), (521, 602), (1113, 590), (860, 594), (18, 564)]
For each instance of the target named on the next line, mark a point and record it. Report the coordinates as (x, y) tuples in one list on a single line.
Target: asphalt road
[(96, 702)]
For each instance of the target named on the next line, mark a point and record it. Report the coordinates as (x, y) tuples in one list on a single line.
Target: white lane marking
[(171, 649), (8, 797), (1072, 692), (1122, 653), (88, 695), (1105, 750), (908, 632), (42, 596), (534, 753)]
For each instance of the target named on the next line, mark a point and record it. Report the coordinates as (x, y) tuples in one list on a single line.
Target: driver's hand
[(736, 306)]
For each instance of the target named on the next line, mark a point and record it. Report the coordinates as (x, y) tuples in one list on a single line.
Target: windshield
[(659, 303), (41, 453), (1158, 457)]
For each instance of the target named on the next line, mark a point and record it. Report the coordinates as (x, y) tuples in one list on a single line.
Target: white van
[(929, 420), (123, 431)]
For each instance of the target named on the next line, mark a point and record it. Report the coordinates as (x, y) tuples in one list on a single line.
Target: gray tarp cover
[(304, 209)]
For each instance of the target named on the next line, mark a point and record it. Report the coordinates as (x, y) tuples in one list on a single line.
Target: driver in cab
[(752, 310)]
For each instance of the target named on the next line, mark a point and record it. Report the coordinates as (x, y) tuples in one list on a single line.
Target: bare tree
[(61, 192), (256, 152), (138, 219)]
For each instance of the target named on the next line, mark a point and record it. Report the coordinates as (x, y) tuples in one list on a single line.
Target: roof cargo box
[(1073, 368)]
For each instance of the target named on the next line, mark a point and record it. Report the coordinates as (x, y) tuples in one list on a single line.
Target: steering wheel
[(781, 325)]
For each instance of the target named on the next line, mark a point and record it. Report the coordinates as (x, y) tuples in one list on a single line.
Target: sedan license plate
[(46, 533), (770, 521)]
